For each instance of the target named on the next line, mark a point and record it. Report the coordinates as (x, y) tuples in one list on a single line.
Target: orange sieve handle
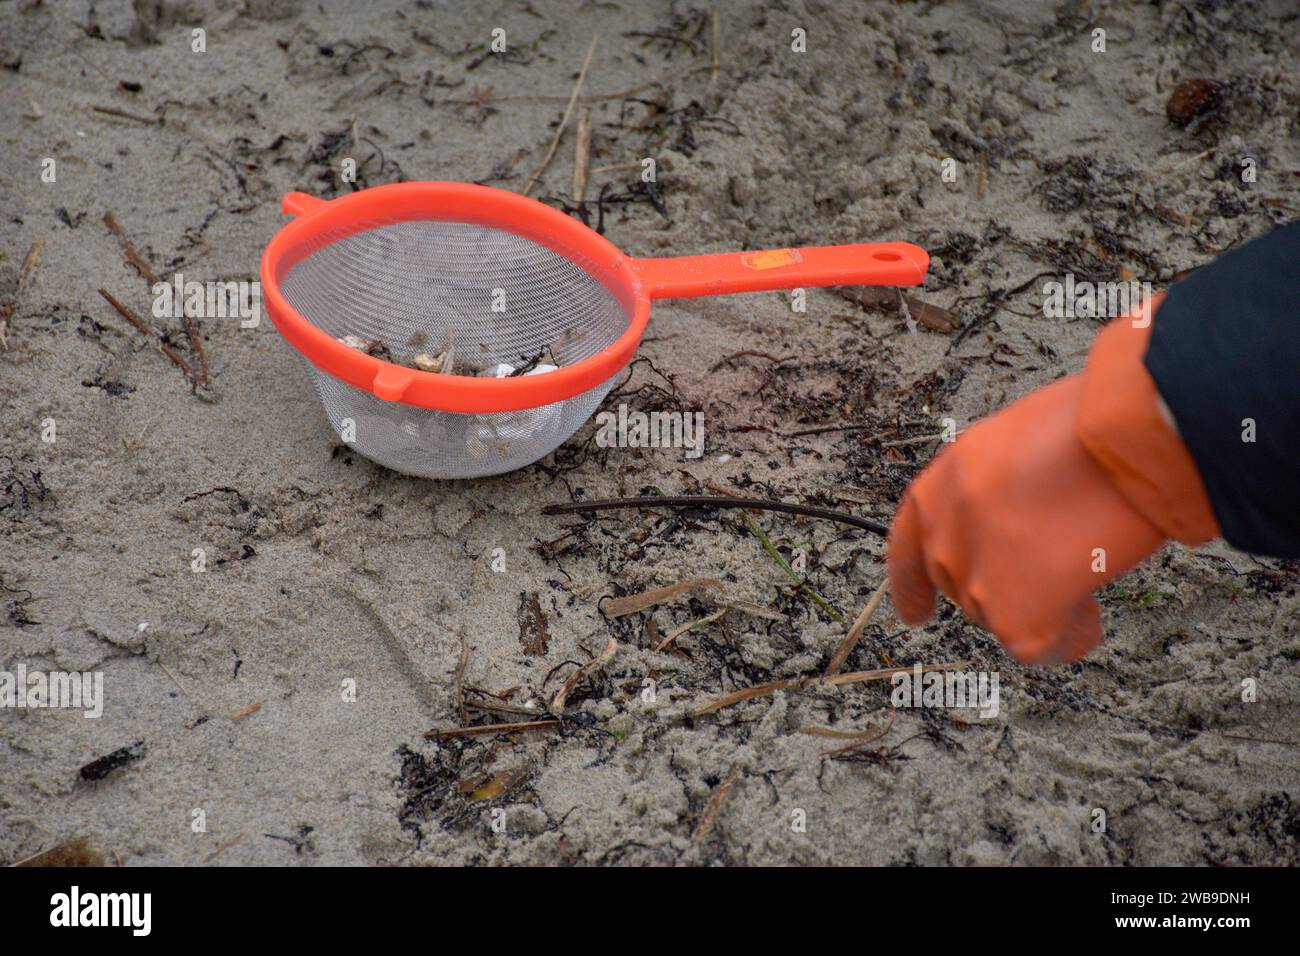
[(295, 204), (880, 263)]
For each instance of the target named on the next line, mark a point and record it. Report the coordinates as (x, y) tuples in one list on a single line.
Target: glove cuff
[(1121, 426)]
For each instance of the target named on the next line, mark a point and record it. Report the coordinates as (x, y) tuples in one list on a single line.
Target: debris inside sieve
[(372, 347), (444, 362), (493, 435), (486, 437)]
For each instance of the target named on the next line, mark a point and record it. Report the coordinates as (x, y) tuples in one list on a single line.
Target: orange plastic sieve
[(537, 312)]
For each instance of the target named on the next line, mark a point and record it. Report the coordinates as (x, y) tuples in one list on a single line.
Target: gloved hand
[(1039, 505)]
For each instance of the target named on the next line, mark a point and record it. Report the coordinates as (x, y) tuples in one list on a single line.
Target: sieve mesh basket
[(424, 286)]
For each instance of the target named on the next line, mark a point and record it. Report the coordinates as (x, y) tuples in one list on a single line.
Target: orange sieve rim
[(319, 222)]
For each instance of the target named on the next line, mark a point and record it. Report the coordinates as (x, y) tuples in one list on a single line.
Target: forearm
[(1224, 354)]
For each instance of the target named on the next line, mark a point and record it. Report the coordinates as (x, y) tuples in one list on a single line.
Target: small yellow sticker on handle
[(770, 259)]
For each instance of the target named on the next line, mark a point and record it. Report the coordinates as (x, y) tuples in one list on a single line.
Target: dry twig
[(715, 805), (689, 626), (716, 501), (247, 711), (860, 738), (557, 704), (460, 681), (564, 120), (582, 157), (802, 683), (914, 440), (198, 376), (492, 729), (632, 603), (882, 299), (24, 279), (143, 268), (846, 646), (114, 111), (30, 261), (148, 330), (223, 847)]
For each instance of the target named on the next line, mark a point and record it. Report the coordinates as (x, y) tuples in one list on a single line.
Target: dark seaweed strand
[(716, 501)]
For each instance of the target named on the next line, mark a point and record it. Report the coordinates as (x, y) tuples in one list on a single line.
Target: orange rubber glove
[(1008, 520)]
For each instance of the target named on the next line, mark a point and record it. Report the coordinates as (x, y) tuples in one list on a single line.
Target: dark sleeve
[(1225, 353)]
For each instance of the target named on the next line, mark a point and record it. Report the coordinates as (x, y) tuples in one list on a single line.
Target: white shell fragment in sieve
[(493, 434)]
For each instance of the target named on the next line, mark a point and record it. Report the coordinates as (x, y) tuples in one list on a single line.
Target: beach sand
[(326, 574)]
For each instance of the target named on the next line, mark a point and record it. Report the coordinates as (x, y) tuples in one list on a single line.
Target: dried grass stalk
[(564, 120), (557, 704), (633, 603), (247, 711), (712, 810), (855, 632), (492, 729), (679, 631)]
